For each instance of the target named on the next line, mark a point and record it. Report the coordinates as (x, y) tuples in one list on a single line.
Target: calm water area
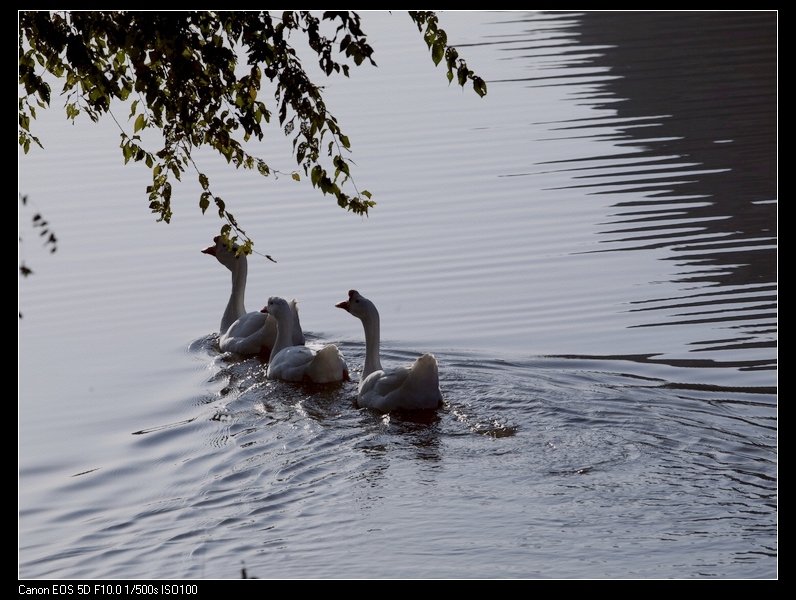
[(590, 251)]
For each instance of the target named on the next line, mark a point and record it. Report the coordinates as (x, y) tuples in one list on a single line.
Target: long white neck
[(370, 321), (235, 307), (284, 332)]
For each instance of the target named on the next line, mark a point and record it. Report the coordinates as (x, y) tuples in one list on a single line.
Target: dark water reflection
[(694, 171), (714, 76)]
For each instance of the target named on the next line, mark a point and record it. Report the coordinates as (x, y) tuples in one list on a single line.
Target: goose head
[(276, 307), (357, 305), (226, 257)]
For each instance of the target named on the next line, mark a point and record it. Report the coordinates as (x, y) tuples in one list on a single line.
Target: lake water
[(590, 251)]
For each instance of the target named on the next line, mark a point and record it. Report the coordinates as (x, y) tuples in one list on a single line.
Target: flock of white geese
[(275, 331)]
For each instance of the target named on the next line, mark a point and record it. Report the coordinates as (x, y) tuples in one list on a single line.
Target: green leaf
[(437, 52), (204, 201), (479, 85)]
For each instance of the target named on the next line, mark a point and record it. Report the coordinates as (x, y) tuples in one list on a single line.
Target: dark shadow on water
[(688, 101)]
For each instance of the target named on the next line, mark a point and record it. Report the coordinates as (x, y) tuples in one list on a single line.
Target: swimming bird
[(299, 363), (241, 331), (413, 387)]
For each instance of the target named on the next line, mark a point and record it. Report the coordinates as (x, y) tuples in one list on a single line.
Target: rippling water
[(590, 251)]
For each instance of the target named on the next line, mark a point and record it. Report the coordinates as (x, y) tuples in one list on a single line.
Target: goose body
[(413, 387), (241, 331), (299, 363), (255, 333)]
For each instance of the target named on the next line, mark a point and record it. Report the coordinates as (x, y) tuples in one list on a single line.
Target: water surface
[(589, 250)]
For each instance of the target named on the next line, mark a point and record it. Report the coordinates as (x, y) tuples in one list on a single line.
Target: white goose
[(242, 332), (415, 387), (299, 363)]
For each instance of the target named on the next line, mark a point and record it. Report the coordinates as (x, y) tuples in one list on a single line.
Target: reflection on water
[(687, 103)]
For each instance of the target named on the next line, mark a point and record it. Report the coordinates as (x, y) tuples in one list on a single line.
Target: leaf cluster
[(45, 231), (197, 78), (437, 41)]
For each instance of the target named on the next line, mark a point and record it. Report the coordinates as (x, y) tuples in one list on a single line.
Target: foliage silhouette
[(197, 78)]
